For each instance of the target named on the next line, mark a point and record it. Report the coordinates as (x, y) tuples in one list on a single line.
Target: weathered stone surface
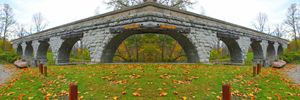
[(244, 44), (55, 44), (197, 34)]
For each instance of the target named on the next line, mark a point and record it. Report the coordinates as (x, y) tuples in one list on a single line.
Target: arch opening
[(65, 51), (42, 51), (280, 50), (72, 51), (219, 53), (149, 48), (19, 50), (255, 53), (110, 51), (234, 50), (270, 52), (28, 51)]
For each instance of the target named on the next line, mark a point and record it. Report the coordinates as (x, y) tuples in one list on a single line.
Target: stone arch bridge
[(197, 34)]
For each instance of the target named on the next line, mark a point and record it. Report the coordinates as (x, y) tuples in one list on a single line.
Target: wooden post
[(258, 68), (73, 91), (254, 71), (45, 70), (41, 68), (226, 95)]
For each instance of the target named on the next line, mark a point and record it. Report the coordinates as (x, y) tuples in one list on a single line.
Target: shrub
[(8, 57), (291, 57)]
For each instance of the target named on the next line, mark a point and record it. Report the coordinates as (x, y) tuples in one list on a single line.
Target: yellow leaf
[(184, 98), (115, 98)]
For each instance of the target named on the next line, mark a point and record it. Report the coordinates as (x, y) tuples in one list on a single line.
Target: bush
[(8, 56), (291, 57)]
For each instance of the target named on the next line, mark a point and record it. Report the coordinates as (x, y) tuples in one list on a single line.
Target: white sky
[(241, 12)]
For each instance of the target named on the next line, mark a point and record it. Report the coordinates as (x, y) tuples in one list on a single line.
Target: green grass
[(193, 81)]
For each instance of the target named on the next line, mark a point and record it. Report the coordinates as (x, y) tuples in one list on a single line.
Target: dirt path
[(4, 74), (294, 73)]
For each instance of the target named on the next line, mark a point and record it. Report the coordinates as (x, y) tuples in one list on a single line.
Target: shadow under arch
[(271, 52), (111, 47), (42, 51), (235, 51), (19, 50), (65, 50), (280, 50), (28, 51), (257, 51)]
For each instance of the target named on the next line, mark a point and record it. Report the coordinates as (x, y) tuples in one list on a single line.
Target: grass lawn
[(150, 81)]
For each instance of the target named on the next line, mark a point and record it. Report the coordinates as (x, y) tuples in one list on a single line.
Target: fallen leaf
[(136, 94), (184, 98), (163, 94), (124, 92), (175, 93), (115, 98)]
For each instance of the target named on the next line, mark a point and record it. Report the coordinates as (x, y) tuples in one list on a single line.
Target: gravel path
[(4, 74), (294, 73)]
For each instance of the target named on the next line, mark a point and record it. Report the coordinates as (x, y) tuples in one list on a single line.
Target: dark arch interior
[(270, 52), (65, 50), (28, 50), (280, 50), (234, 49), (257, 51), (112, 46), (19, 50), (42, 51)]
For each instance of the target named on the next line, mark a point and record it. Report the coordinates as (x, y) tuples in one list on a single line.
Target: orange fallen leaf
[(124, 92), (136, 94), (175, 93), (163, 94), (21, 96)]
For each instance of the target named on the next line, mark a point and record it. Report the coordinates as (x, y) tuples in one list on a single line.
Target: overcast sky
[(241, 12)]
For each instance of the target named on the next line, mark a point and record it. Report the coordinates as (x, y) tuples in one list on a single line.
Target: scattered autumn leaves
[(162, 80)]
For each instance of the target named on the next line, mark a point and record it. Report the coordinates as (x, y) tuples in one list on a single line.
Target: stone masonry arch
[(113, 44), (103, 44)]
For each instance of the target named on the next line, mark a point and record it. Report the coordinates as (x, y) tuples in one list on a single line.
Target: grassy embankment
[(159, 81)]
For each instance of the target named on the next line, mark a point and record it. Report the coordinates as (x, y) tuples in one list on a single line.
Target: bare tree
[(21, 31), (279, 30), (7, 21), (261, 22), (39, 22), (292, 21), (180, 4)]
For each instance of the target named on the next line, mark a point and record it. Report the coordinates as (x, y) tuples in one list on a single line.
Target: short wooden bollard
[(41, 68), (226, 95), (73, 91), (254, 70), (258, 68), (45, 70)]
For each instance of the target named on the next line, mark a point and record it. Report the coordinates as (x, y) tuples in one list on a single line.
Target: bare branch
[(39, 22), (261, 22)]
